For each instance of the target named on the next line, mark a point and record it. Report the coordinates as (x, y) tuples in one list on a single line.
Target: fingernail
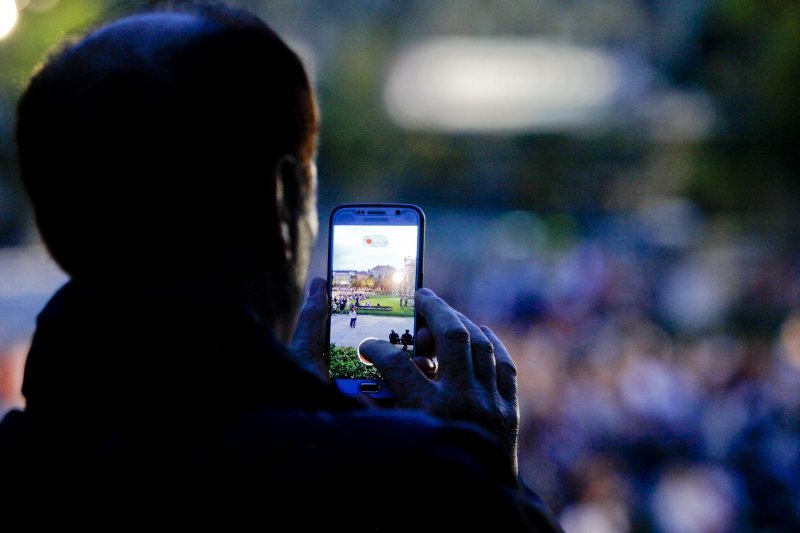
[(362, 345)]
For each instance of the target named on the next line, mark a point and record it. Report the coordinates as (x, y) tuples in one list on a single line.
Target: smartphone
[(375, 260)]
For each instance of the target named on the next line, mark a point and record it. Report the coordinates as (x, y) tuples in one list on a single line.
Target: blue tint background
[(641, 260)]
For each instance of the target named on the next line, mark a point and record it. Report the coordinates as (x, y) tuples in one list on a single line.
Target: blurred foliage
[(744, 54), (36, 33), (751, 65)]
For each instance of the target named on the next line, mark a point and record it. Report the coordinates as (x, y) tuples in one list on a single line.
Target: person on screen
[(177, 377), (407, 339), (353, 316), (394, 338)]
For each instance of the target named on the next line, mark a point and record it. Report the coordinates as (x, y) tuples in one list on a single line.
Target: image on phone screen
[(374, 270)]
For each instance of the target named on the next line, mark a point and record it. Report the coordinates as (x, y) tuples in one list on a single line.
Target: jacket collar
[(118, 355)]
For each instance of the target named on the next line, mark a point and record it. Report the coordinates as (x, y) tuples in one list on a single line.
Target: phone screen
[(374, 268)]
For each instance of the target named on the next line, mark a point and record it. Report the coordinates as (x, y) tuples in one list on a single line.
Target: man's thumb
[(397, 368)]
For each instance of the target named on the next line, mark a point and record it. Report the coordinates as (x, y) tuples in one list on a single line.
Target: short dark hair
[(144, 150)]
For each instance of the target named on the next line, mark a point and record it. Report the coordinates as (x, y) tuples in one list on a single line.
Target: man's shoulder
[(14, 429), (368, 439), (363, 424), (371, 459), (296, 461)]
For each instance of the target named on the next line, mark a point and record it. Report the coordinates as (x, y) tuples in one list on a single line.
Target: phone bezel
[(353, 386)]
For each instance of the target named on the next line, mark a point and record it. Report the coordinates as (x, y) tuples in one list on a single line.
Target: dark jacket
[(159, 407)]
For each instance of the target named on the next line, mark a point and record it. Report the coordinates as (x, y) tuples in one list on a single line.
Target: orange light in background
[(790, 341), (12, 366)]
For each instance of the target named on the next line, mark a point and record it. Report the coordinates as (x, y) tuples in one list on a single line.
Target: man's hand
[(476, 381), (308, 342)]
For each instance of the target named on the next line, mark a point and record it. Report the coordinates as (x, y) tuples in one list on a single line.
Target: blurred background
[(609, 184)]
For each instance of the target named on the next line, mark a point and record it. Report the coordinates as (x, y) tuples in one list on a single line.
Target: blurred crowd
[(639, 427), (659, 366), (658, 354)]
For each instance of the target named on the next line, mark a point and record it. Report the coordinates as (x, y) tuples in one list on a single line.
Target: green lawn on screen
[(385, 300)]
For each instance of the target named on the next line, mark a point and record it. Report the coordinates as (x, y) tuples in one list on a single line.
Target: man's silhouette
[(169, 159)]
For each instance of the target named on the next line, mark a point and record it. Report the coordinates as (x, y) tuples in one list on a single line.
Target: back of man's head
[(149, 147)]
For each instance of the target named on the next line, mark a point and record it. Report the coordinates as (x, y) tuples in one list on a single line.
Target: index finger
[(308, 341), (450, 335)]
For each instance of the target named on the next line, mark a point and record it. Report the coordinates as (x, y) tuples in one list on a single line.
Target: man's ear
[(286, 183)]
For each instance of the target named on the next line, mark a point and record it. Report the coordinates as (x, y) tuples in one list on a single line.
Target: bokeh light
[(8, 17), (461, 84)]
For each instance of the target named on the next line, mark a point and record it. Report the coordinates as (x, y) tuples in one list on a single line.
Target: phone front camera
[(397, 212)]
